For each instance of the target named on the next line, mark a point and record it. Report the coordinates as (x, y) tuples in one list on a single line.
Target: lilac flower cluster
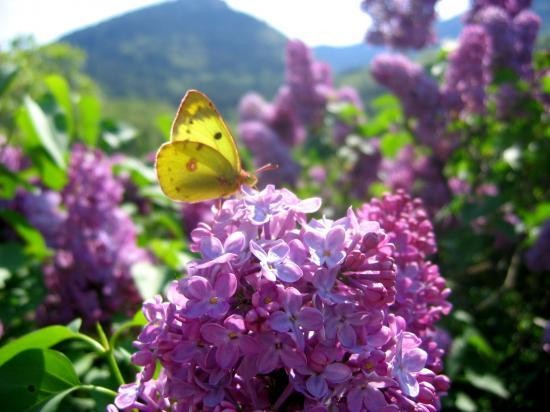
[(401, 23), (421, 98), (194, 213), (468, 73), (89, 275), (93, 243), (308, 84), (512, 7), (366, 160), (294, 314), (421, 292), (12, 157), (419, 174), (512, 38), (271, 130)]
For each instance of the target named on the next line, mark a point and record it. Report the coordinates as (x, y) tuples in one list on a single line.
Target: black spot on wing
[(217, 135)]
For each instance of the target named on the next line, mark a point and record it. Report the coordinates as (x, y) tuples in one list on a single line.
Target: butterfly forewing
[(193, 172), (198, 121)]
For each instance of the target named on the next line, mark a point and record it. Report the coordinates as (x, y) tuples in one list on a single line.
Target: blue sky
[(329, 22)]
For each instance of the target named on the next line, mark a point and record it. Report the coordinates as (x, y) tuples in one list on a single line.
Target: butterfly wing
[(193, 172), (198, 121)]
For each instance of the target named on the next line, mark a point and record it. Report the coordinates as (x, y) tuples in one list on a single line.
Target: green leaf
[(539, 215), (391, 143), (148, 279), (479, 343), (9, 182), (164, 124), (142, 175), (7, 75), (504, 75), (546, 84), (377, 189), (381, 122), (35, 244), (52, 404), (35, 377), (465, 403), (59, 88), (40, 339), (344, 110), (115, 135), (39, 131), (139, 318), (489, 383), (168, 251), (12, 256), (89, 119), (51, 175), (385, 101)]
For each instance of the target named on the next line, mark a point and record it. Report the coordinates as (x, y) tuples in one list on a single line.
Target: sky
[(329, 22)]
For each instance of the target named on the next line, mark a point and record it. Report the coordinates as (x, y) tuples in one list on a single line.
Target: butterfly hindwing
[(198, 121), (192, 172)]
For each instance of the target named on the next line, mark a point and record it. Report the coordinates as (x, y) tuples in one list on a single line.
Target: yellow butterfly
[(201, 161)]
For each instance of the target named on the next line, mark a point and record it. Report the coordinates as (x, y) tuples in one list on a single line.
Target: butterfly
[(201, 161)]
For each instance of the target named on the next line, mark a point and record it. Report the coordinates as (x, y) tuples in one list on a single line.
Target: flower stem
[(99, 389), (286, 393), (109, 354)]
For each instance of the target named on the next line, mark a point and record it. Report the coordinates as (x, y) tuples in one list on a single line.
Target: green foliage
[(39, 387), (40, 339)]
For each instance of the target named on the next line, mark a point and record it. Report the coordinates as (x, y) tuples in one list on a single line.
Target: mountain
[(158, 52), (343, 59)]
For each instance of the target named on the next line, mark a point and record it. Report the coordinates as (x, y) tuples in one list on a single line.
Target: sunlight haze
[(335, 23)]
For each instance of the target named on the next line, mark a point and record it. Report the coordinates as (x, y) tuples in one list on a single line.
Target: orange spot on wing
[(191, 165)]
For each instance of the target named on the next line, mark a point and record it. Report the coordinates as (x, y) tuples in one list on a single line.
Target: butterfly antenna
[(267, 167)]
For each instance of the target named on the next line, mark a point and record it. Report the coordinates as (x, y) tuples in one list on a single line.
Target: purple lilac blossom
[(421, 298), (538, 256), (12, 157), (94, 245), (236, 329), (468, 73), (401, 23), (418, 174), (526, 27), (512, 7), (421, 99), (271, 129), (307, 82), (193, 213), (512, 38), (267, 147), (365, 159)]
